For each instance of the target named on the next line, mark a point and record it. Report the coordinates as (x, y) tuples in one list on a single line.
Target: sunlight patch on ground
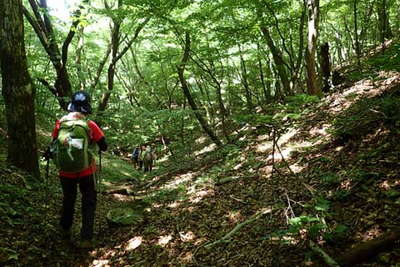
[(264, 147), (164, 240), (346, 184), (187, 257), (174, 205), (262, 137), (266, 170), (122, 198), (200, 240), (234, 216), (296, 168), (201, 140), (134, 243), (100, 263), (198, 196), (340, 101), (320, 131), (286, 152), (241, 163), (384, 185), (206, 149), (179, 180), (372, 233), (288, 135), (187, 237), (388, 185)]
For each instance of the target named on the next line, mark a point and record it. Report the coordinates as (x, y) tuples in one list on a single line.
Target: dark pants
[(88, 192)]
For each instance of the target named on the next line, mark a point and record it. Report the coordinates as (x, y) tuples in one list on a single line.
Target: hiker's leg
[(69, 196), (140, 164), (145, 166), (87, 187)]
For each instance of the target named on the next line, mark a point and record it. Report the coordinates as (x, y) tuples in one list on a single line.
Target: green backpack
[(71, 149)]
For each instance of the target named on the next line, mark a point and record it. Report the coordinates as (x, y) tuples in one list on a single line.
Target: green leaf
[(322, 204)]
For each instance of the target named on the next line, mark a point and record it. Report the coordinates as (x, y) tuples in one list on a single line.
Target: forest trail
[(331, 176)]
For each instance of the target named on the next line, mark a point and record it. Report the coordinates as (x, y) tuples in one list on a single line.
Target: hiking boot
[(86, 244)]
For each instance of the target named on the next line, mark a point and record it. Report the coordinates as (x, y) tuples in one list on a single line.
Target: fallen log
[(369, 249)]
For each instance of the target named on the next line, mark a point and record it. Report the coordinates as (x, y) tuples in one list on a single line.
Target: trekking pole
[(46, 188), (98, 178)]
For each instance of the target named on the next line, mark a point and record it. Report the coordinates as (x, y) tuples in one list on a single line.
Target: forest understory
[(328, 181)]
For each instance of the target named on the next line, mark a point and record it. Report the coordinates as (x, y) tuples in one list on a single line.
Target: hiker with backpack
[(135, 156), (140, 157), (148, 157), (74, 139)]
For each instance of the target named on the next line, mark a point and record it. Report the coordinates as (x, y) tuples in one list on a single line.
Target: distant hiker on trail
[(73, 138), (141, 154), (135, 156), (148, 157)]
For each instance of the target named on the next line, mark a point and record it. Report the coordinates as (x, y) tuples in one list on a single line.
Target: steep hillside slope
[(325, 171)]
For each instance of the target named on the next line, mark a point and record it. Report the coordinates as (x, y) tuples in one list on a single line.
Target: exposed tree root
[(369, 249), (328, 260), (227, 237)]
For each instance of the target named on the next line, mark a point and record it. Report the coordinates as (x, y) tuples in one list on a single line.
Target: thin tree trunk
[(278, 60), (247, 90), (261, 73), (218, 90), (78, 60), (185, 88), (300, 53), (356, 37), (313, 17), (384, 26), (17, 89), (325, 65), (115, 57), (43, 28)]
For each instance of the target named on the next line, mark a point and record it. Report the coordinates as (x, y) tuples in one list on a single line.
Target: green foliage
[(254, 119), (12, 204), (293, 109), (301, 100), (387, 60), (337, 234), (124, 216)]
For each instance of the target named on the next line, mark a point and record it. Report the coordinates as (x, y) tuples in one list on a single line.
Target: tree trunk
[(265, 84), (17, 89), (325, 67), (247, 90), (223, 112), (278, 60), (384, 26), (313, 17), (356, 36), (298, 65), (41, 24), (186, 92), (116, 55)]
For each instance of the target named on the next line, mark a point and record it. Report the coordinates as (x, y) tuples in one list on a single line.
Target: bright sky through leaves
[(61, 8)]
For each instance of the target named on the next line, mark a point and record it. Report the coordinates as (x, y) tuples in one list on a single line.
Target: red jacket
[(95, 134)]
